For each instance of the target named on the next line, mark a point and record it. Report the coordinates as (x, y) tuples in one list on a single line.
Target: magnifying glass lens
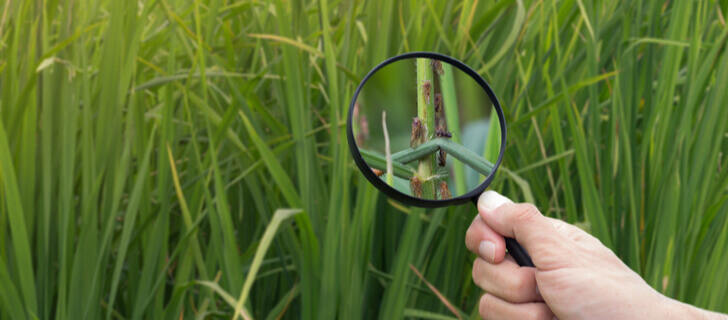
[(426, 128)]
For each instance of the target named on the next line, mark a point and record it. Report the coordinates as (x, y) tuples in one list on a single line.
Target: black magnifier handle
[(518, 253), (515, 249)]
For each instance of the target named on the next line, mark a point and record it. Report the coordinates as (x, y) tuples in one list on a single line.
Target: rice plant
[(185, 159)]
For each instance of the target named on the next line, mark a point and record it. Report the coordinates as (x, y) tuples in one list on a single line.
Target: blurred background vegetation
[(148, 150)]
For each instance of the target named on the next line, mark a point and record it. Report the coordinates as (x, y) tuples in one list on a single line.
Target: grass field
[(178, 159)]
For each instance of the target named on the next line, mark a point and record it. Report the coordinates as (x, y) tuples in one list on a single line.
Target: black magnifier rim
[(390, 191)]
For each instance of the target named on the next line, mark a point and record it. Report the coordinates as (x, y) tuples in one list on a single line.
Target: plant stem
[(426, 113), (450, 105), (402, 158), (467, 157), (380, 163), (492, 142)]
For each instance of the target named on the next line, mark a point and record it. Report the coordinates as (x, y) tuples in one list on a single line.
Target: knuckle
[(554, 255), (520, 287), (527, 212), (540, 312), (521, 283), (603, 256)]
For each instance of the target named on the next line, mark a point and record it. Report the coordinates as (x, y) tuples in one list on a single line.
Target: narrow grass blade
[(279, 217), (20, 242)]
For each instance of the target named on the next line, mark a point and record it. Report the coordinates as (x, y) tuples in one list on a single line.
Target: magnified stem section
[(419, 147), (426, 115), (456, 150), (400, 160), (450, 106)]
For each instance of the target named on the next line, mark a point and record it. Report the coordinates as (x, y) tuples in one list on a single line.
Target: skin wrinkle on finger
[(527, 215), (575, 233)]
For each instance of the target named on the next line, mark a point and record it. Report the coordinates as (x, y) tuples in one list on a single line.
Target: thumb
[(523, 222)]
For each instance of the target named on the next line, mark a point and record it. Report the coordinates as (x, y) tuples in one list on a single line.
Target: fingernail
[(490, 200), (487, 250)]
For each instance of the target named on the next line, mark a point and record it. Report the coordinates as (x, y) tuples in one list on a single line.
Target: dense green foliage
[(146, 146)]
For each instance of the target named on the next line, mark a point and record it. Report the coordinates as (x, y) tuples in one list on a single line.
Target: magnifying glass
[(426, 130)]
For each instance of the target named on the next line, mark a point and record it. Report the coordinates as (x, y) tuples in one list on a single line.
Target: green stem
[(408, 155), (467, 157), (402, 158), (380, 163), (451, 107), (426, 113)]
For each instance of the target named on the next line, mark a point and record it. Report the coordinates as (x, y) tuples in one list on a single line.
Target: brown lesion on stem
[(437, 67), (438, 105), (442, 132), (416, 186), (441, 123), (418, 134), (430, 123), (443, 191), (427, 90), (427, 115)]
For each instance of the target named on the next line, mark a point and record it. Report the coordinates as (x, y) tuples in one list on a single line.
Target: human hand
[(575, 276)]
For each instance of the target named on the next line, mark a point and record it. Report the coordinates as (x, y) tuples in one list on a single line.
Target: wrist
[(679, 310)]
